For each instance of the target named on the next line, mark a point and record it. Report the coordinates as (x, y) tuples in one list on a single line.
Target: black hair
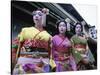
[(38, 9), (57, 28), (78, 23), (59, 21)]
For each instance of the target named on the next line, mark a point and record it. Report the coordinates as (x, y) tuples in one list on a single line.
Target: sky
[(88, 12)]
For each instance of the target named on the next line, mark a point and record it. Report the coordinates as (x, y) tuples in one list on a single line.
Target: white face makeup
[(37, 17), (78, 29), (62, 27)]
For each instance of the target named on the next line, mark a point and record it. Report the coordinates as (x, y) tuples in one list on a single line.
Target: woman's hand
[(84, 56)]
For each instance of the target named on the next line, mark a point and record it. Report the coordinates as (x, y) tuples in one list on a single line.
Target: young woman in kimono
[(61, 49), (33, 51), (80, 50)]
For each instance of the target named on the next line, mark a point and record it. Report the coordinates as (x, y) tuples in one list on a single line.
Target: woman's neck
[(62, 35), (39, 27), (79, 34)]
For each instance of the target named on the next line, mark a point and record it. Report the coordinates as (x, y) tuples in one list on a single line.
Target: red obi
[(62, 53), (63, 49), (36, 43), (80, 46)]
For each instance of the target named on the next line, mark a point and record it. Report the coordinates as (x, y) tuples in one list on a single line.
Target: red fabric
[(36, 43), (80, 46), (15, 41)]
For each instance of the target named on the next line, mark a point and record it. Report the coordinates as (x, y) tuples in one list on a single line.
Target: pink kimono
[(61, 51)]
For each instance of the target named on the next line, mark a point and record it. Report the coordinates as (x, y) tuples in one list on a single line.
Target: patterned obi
[(80, 48), (34, 52), (36, 43), (61, 55)]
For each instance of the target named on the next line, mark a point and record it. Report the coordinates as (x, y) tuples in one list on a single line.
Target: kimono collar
[(62, 36)]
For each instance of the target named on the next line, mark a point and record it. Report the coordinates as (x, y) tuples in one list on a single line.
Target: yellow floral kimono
[(38, 42)]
